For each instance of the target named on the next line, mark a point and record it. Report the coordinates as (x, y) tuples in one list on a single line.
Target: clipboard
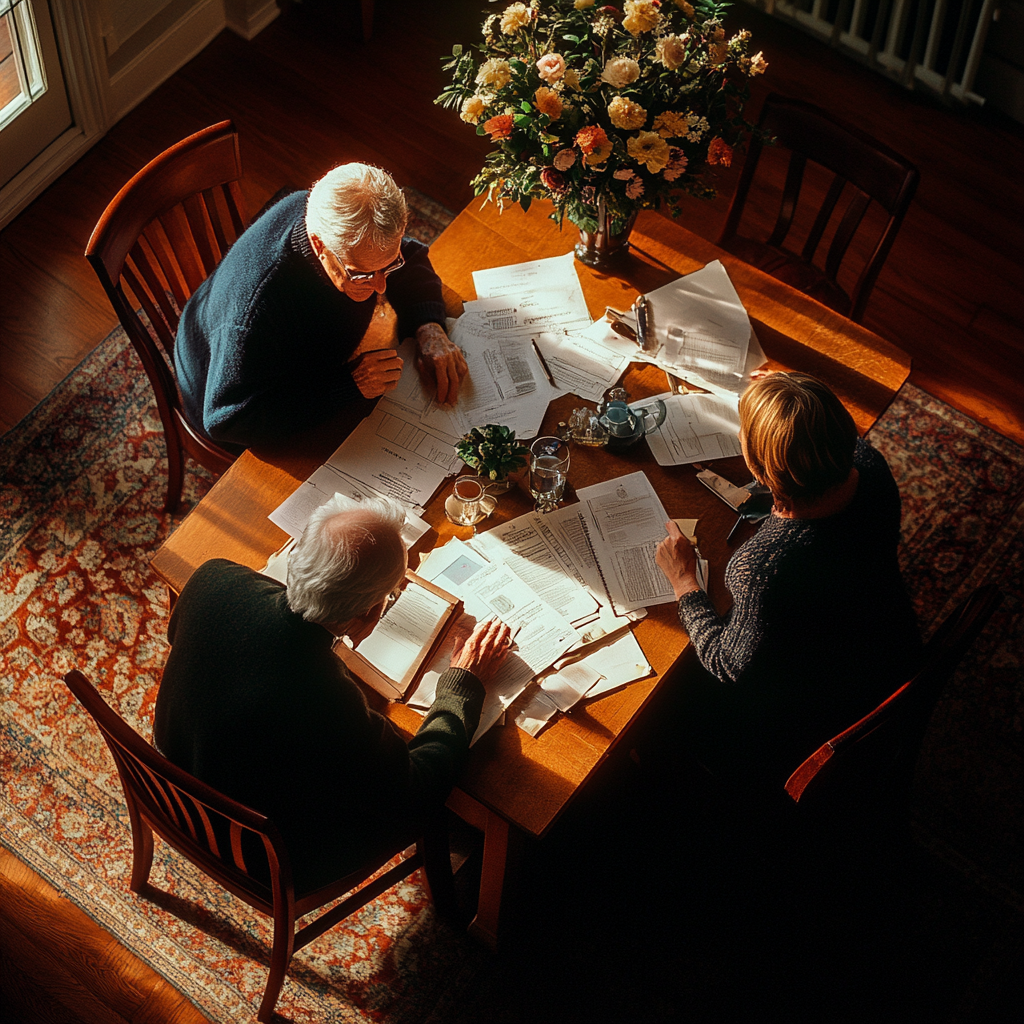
[(374, 676)]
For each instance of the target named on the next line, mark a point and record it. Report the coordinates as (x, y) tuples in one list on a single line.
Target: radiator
[(936, 44)]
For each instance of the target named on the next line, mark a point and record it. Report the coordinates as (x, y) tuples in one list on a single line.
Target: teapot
[(625, 424)]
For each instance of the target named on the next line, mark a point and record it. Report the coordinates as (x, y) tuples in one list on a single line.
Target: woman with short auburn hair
[(821, 629)]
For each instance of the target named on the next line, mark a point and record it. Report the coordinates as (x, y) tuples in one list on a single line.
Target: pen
[(735, 527), (547, 371)]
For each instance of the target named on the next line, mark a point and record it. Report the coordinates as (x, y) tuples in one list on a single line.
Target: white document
[(326, 481), (541, 634), (421, 402), (619, 663), (530, 550), (583, 363), (506, 382), (399, 637), (452, 567), (546, 294), (625, 521), (394, 454), (697, 428)]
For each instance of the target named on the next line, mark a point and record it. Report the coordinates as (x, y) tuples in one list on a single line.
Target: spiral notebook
[(620, 524)]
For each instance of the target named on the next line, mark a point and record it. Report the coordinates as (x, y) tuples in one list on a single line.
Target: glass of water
[(549, 469), (468, 502)]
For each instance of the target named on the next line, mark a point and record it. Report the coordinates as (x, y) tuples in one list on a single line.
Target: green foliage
[(492, 451)]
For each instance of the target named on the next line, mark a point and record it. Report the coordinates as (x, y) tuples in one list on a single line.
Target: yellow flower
[(685, 7), (599, 153), (514, 18), (717, 53), (671, 125), (624, 113), (495, 73), (671, 50), (472, 108), (582, 5), (548, 102), (650, 149), (641, 16), (758, 65), (571, 79)]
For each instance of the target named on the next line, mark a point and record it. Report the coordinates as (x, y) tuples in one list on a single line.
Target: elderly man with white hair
[(303, 314), (254, 701)]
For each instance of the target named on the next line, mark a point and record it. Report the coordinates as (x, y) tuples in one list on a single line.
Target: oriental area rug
[(80, 517)]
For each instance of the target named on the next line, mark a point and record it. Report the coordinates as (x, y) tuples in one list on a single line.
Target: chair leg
[(437, 870), (175, 471), (280, 957), (142, 854)]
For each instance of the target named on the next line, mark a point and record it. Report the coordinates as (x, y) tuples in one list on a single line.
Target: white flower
[(494, 72), (551, 67), (671, 50), (620, 72)]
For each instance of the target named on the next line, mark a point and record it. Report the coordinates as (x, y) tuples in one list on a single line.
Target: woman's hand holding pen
[(678, 561)]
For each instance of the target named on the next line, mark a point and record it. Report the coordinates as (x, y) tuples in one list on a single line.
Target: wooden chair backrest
[(875, 173), (198, 821), (878, 753)]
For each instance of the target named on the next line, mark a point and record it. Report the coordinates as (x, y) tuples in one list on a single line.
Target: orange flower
[(548, 102), (591, 137), (499, 127), (720, 152)]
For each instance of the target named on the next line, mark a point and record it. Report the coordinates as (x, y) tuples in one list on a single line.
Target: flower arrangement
[(624, 106), (492, 451)]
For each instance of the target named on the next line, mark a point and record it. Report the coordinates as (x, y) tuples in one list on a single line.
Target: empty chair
[(219, 834), (863, 168), (870, 765), (157, 241)]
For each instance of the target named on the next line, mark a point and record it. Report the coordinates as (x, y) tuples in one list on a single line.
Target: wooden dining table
[(516, 786)]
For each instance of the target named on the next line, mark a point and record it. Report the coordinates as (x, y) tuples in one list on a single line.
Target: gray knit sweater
[(821, 629)]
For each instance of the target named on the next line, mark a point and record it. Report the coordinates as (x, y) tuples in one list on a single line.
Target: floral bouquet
[(604, 110)]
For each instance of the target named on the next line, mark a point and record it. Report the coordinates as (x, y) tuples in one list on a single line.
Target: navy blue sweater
[(263, 344)]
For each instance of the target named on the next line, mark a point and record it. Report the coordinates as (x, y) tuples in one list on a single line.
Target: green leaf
[(522, 120), (525, 107), (524, 202)]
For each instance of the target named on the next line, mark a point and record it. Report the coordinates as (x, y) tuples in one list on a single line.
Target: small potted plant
[(493, 452)]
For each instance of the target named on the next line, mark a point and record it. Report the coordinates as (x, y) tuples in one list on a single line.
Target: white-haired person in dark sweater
[(254, 702), (302, 315)]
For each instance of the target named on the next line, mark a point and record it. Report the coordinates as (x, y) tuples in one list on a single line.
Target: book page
[(401, 635)]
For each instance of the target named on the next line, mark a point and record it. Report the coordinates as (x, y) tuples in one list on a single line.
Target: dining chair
[(214, 832), (870, 765), (157, 241), (861, 167)]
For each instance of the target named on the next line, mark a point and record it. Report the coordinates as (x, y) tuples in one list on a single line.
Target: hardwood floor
[(307, 94)]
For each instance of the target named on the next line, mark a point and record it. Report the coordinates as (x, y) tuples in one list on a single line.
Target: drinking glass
[(468, 502), (549, 468)]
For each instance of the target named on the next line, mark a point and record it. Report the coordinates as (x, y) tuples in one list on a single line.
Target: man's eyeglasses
[(391, 599), (361, 276)]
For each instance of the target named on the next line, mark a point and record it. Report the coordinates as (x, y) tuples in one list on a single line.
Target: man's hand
[(440, 362), (484, 650), (377, 372), (678, 561)]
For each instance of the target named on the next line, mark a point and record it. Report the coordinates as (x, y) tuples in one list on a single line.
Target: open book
[(406, 640)]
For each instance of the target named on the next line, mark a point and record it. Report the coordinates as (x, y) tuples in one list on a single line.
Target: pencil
[(543, 362)]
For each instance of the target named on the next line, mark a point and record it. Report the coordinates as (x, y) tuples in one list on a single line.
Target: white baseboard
[(250, 24), (164, 56)]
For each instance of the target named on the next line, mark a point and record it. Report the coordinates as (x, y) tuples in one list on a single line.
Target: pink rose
[(564, 159), (551, 67)]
